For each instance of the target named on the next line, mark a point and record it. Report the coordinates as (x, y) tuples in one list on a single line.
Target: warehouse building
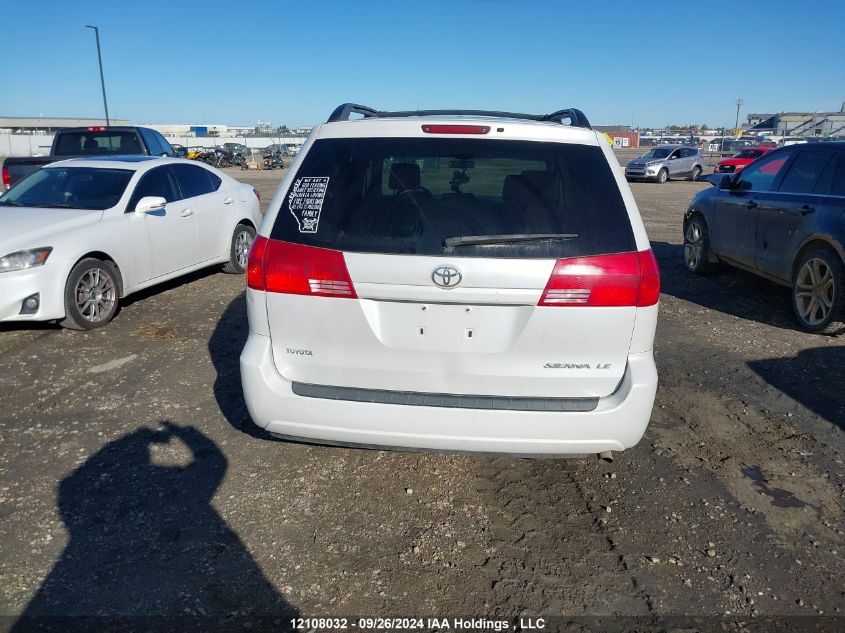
[(820, 124), (48, 125)]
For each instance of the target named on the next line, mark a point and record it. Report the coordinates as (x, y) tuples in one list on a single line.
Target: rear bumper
[(617, 423)]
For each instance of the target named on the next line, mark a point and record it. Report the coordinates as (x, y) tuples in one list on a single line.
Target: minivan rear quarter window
[(409, 195)]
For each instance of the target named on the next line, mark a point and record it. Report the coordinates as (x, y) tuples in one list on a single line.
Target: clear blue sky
[(655, 63)]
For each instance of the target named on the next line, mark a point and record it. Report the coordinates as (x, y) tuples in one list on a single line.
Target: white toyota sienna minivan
[(457, 280)]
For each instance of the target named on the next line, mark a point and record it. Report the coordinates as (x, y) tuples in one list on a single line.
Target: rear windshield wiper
[(477, 240)]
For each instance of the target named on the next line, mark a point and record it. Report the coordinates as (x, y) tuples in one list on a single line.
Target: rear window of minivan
[(409, 195)]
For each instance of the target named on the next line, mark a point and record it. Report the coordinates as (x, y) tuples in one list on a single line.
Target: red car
[(745, 157)]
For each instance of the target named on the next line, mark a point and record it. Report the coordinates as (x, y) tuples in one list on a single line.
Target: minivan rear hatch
[(453, 264)]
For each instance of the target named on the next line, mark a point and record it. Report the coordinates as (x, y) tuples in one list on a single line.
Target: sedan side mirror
[(725, 182), (150, 204)]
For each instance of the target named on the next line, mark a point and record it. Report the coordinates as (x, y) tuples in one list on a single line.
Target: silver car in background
[(664, 162)]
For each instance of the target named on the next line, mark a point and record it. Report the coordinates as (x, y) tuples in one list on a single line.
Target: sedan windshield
[(658, 152), (69, 188)]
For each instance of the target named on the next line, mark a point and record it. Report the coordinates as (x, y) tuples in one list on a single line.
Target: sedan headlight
[(21, 260)]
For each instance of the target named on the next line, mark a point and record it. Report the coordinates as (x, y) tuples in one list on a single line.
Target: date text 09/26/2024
[(415, 624)]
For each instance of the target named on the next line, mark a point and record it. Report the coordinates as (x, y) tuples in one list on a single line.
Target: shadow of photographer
[(145, 539)]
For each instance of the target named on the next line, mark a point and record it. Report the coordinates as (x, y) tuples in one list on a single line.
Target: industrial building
[(821, 124), (42, 125)]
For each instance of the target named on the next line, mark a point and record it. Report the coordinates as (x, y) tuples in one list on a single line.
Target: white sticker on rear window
[(305, 202)]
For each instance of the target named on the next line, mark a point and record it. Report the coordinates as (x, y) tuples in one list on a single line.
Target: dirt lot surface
[(132, 481)]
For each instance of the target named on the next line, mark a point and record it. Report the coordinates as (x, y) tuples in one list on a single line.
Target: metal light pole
[(102, 80), (739, 102)]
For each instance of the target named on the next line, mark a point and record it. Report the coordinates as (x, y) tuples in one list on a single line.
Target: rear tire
[(92, 293), (697, 251), (818, 292), (696, 174), (662, 176), (239, 250)]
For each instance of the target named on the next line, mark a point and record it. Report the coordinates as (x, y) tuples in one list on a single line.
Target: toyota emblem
[(446, 276)]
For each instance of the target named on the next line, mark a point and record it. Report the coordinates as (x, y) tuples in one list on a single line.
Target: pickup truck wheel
[(662, 175), (818, 292), (239, 252), (91, 295), (696, 173), (697, 246)]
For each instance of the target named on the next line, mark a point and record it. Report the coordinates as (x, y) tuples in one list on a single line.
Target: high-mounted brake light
[(456, 129), (7, 178), (621, 279), (96, 128), (306, 270)]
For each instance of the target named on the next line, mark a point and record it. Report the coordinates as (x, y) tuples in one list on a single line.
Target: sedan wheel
[(91, 295), (242, 240)]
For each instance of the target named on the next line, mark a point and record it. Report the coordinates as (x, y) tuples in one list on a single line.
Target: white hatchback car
[(455, 280), (78, 235)]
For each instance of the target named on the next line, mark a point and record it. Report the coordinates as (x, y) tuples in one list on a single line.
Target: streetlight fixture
[(102, 80), (739, 102)]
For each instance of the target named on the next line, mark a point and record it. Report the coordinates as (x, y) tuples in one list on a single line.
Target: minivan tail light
[(649, 279), (456, 129), (255, 263), (7, 178), (621, 279), (306, 270)]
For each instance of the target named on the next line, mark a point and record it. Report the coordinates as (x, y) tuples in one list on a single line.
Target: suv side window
[(156, 182), (805, 171), (838, 188), (193, 180), (762, 175)]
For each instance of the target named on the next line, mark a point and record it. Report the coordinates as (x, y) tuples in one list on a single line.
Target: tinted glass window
[(193, 180), (156, 182), (73, 188), (216, 181), (838, 188), (96, 143), (151, 141), (805, 171), (166, 148), (760, 176), (824, 184), (401, 195)]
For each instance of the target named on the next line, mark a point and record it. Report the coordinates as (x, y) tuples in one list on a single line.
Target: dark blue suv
[(782, 217)]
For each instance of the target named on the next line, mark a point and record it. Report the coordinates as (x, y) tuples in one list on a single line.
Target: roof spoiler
[(575, 117)]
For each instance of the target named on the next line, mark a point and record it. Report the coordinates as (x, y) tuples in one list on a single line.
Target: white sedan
[(78, 235)]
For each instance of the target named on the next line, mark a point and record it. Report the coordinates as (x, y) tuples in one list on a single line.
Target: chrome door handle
[(228, 200), (186, 213)]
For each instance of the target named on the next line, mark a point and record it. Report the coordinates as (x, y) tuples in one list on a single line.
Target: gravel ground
[(133, 483)]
